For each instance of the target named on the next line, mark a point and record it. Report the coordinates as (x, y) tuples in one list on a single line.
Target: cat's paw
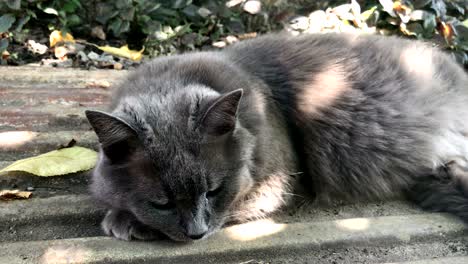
[(124, 225)]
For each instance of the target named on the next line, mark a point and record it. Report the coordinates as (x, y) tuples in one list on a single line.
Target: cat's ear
[(117, 137), (221, 115)]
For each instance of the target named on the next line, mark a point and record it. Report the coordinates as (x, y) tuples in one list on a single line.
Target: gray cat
[(194, 141)]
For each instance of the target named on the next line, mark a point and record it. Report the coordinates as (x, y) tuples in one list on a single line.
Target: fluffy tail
[(444, 191)]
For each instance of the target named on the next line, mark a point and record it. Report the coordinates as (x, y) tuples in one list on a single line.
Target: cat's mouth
[(183, 238)]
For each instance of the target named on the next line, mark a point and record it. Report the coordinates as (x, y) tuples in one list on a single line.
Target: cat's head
[(177, 161)]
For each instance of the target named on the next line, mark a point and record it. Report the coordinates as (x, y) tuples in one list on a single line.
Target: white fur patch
[(450, 144)]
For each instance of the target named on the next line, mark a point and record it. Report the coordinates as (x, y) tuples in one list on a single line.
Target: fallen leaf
[(5, 55), (36, 47), (388, 7), (118, 66), (403, 11), (247, 35), (219, 44), (57, 37), (123, 51), (231, 39), (98, 84), (98, 32), (57, 162), (6, 21), (7, 195), (253, 7), (233, 3), (446, 30), (51, 11), (61, 53)]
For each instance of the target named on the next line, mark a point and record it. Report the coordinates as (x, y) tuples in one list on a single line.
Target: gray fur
[(362, 117)]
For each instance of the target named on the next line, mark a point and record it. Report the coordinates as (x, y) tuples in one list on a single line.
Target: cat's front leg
[(124, 225)]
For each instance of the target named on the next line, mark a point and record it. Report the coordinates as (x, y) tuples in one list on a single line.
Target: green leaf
[(122, 4), (179, 4), (421, 3), (461, 33), (50, 10), (125, 27), (460, 56), (13, 4), (70, 7), (22, 22), (127, 14), (430, 24), (77, 3), (191, 11), (115, 26), (3, 45), (465, 23), (457, 7), (6, 21), (57, 162), (439, 7), (413, 29), (366, 14), (388, 7), (73, 20)]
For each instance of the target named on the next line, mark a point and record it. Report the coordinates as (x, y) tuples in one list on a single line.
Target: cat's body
[(186, 150)]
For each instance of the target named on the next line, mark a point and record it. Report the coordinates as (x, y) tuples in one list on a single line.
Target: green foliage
[(12, 22), (166, 27), (428, 19)]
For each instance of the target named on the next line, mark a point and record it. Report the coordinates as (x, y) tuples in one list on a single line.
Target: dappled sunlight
[(323, 90), (418, 60), (11, 139), (62, 254), (253, 230), (354, 224)]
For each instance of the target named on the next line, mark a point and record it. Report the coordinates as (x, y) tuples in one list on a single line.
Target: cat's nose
[(196, 236)]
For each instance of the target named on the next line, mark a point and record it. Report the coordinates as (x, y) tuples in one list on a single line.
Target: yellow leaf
[(57, 162), (123, 51), (7, 195), (446, 30), (56, 37)]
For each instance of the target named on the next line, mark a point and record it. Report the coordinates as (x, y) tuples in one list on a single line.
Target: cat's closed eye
[(214, 192), (163, 207)]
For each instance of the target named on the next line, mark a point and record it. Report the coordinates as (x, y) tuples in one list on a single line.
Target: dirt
[(43, 187)]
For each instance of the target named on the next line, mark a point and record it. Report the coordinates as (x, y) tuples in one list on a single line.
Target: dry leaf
[(403, 11), (5, 55), (98, 84), (98, 32), (233, 3), (247, 35), (123, 51), (253, 7), (61, 53), (118, 66), (7, 195), (57, 162), (57, 37), (36, 47), (447, 30), (219, 44)]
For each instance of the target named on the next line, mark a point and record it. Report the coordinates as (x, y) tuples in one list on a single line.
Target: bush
[(166, 27)]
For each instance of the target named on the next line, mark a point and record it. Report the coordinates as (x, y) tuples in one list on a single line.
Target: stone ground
[(60, 224)]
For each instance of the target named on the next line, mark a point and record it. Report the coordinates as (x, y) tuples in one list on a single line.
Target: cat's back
[(319, 69), (362, 55)]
